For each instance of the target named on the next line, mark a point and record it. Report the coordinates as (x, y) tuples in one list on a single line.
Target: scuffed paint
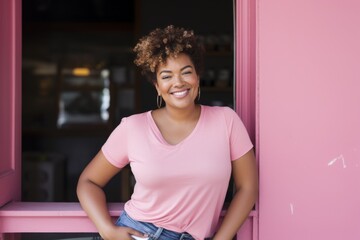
[(341, 158), (292, 208)]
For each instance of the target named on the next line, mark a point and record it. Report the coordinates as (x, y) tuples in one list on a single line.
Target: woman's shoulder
[(219, 113), (139, 115), (137, 118), (218, 109)]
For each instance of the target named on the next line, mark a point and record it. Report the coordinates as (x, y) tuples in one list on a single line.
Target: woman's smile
[(180, 94)]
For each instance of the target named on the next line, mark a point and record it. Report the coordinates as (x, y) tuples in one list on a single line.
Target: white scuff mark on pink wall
[(292, 208), (341, 158)]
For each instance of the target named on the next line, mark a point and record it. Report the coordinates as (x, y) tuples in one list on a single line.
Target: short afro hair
[(160, 44)]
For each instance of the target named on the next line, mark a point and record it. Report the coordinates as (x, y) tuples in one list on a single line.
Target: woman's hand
[(121, 233)]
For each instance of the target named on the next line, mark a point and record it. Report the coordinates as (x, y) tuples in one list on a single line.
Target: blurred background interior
[(79, 80)]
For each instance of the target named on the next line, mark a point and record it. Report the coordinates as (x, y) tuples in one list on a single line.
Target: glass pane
[(39, 89), (125, 103), (83, 107)]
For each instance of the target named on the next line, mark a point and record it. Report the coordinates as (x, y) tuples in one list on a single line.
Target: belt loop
[(158, 233), (185, 235)]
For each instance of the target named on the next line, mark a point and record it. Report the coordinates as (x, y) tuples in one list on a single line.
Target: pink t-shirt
[(179, 187)]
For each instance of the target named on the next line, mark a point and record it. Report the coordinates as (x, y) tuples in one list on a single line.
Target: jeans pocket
[(118, 221), (126, 221)]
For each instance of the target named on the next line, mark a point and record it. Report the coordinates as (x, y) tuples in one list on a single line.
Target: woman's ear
[(156, 87)]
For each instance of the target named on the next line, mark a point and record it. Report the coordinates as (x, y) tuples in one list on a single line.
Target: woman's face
[(177, 82)]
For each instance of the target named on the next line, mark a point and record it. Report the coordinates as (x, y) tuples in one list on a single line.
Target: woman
[(182, 155)]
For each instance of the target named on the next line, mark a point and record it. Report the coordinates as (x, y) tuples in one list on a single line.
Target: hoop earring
[(159, 101), (198, 98)]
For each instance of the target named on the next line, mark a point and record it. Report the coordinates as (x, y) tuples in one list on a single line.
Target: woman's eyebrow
[(164, 71), (187, 66), (168, 71)]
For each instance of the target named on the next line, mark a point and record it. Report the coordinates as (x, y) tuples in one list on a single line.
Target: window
[(10, 102)]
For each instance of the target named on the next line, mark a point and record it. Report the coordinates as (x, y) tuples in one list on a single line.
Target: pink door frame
[(10, 100)]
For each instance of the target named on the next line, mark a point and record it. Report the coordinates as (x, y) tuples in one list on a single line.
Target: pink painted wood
[(245, 64), (10, 100), (309, 119), (245, 89), (17, 217)]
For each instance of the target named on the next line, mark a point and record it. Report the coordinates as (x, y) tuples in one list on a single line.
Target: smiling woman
[(182, 155)]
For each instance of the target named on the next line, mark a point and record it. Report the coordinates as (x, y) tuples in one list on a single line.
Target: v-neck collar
[(159, 137)]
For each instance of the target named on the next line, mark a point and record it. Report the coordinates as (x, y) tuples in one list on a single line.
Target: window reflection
[(85, 97)]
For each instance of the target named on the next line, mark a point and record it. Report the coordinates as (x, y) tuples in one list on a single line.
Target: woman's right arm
[(92, 198)]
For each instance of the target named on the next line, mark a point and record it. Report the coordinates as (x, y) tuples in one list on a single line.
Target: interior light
[(81, 72)]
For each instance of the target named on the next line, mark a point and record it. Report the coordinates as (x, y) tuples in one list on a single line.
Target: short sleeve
[(240, 142), (115, 148)]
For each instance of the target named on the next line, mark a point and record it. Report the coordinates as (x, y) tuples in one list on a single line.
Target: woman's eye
[(187, 72), (165, 77)]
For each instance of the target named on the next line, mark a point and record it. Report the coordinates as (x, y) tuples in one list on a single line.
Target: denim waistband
[(153, 232)]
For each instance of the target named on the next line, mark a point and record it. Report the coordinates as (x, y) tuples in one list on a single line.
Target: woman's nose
[(178, 80)]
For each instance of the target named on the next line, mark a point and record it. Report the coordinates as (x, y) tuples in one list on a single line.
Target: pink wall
[(308, 87)]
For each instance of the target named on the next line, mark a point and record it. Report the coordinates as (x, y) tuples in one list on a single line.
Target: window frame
[(10, 77)]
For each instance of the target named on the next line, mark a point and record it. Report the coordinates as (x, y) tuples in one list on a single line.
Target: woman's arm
[(246, 181), (92, 198)]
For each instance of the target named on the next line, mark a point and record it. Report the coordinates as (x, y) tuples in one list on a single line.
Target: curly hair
[(160, 44)]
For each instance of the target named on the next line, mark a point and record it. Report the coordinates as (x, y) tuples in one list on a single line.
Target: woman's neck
[(182, 115)]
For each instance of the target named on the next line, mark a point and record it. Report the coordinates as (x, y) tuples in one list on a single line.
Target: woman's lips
[(180, 94)]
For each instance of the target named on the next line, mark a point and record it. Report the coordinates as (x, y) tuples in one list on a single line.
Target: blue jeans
[(153, 232)]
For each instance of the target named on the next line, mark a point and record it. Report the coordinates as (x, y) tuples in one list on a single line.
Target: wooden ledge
[(57, 217), (16, 217)]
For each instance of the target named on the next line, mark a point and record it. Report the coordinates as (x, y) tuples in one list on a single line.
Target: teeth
[(180, 93)]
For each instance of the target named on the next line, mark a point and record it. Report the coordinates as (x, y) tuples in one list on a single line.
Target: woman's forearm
[(239, 209), (93, 201)]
